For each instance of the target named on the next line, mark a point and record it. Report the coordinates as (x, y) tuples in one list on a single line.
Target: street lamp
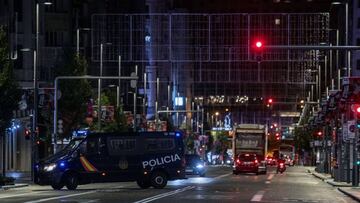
[(216, 118), (36, 88), (347, 60), (99, 84), (78, 38)]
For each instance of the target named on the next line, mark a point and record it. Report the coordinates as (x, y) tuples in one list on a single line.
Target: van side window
[(92, 146), (82, 147), (161, 144), (119, 146)]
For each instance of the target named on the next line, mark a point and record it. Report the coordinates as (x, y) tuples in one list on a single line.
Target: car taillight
[(281, 164), (256, 161), (238, 161)]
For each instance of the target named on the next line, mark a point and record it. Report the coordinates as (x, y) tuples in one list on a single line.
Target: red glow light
[(258, 44), (358, 109)]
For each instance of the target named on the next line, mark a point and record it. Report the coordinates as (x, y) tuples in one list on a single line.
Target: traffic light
[(277, 136), (258, 49), (258, 44), (319, 133), (269, 102), (27, 134)]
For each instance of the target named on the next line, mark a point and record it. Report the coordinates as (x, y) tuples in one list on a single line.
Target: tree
[(9, 91), (75, 94)]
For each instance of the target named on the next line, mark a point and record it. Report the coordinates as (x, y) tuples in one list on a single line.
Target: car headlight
[(228, 161), (199, 166), (50, 167)]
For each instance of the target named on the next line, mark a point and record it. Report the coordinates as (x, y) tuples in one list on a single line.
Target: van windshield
[(72, 145)]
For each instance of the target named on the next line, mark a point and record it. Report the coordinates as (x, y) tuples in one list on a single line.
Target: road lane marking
[(60, 197), (222, 176), (270, 176), (258, 196), (159, 196), (29, 193), (267, 182)]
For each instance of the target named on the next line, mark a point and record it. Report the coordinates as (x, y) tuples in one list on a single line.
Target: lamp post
[(36, 88), (99, 87), (347, 60), (78, 38), (216, 118)]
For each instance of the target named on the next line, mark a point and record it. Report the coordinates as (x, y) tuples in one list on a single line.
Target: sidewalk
[(346, 188), (22, 179)]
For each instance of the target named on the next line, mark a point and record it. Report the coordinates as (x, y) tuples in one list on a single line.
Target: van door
[(94, 159), (123, 158)]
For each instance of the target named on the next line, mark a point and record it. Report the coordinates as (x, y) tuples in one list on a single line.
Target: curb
[(7, 187), (337, 185), (349, 194), (319, 176)]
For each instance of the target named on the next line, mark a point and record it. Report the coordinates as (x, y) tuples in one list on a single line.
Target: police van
[(149, 158)]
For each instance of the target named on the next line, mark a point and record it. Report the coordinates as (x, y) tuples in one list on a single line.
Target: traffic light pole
[(355, 169)]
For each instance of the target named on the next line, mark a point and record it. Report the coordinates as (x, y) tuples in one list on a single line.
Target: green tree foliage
[(119, 124), (9, 91), (189, 142), (220, 142), (75, 94), (302, 138)]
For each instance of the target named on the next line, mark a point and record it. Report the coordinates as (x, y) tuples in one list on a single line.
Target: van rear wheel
[(143, 183), (71, 181), (158, 180)]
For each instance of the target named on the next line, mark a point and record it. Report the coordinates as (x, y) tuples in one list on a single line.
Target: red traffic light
[(270, 101), (355, 108), (358, 109), (319, 133), (258, 44)]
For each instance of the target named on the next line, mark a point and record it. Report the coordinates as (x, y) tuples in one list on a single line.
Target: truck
[(249, 141), (249, 138)]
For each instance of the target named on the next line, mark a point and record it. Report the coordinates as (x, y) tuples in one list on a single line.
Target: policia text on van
[(149, 158)]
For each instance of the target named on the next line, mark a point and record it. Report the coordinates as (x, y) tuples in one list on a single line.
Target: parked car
[(250, 163), (195, 165)]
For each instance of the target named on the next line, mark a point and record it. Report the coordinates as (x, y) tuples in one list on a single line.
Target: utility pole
[(355, 169)]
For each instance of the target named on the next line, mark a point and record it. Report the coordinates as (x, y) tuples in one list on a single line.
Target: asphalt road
[(220, 185)]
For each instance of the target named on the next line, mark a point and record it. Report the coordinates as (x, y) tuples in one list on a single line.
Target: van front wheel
[(143, 183), (71, 181), (158, 180)]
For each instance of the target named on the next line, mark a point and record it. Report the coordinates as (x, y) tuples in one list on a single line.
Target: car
[(195, 165), (270, 161), (289, 162), (250, 163)]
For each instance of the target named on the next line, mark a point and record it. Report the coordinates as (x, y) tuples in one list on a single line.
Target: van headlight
[(50, 167), (199, 166)]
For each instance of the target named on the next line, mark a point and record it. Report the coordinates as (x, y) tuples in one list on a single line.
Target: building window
[(53, 39)]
